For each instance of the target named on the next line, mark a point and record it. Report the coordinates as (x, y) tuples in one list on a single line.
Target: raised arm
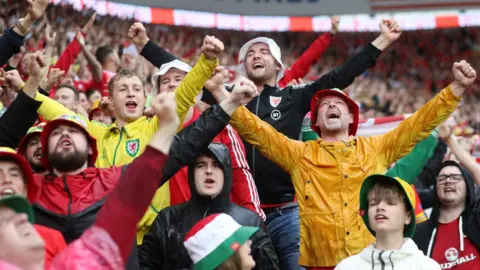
[(343, 76), (151, 51), (12, 39), (312, 54), (128, 201), (463, 156), (193, 82), (397, 143), (410, 166)]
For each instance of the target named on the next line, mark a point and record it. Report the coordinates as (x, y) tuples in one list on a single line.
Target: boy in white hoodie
[(386, 206)]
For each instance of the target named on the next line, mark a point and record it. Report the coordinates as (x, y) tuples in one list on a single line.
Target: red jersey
[(447, 251)]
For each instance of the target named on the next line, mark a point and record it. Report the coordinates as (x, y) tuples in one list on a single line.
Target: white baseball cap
[(166, 67), (274, 50)]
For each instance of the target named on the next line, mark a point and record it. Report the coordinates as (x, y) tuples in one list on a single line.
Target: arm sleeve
[(151, 253), (50, 109), (400, 141), (341, 77), (19, 117), (427, 176), (302, 65), (188, 89), (193, 138), (10, 44), (156, 54), (67, 58), (129, 200), (410, 166), (275, 146), (244, 189)]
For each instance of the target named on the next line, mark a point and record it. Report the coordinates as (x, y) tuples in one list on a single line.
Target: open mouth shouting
[(258, 65), (332, 114), (38, 153), (131, 106)]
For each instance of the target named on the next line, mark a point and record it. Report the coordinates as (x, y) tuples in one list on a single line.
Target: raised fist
[(13, 79), (138, 34), (219, 76), (54, 76), (335, 20), (390, 29), (36, 8), (464, 74), (165, 108), (212, 47), (243, 92), (36, 65)]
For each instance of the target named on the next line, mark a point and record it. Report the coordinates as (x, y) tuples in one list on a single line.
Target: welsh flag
[(366, 128), (380, 125)]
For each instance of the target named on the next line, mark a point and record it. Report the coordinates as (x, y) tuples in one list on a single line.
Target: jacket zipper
[(253, 147), (116, 148), (70, 199), (206, 211), (381, 259)]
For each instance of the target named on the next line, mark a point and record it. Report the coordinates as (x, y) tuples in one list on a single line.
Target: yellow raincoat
[(327, 176)]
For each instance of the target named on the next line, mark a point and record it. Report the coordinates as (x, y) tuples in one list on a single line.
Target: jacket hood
[(221, 202), (390, 257), (470, 202)]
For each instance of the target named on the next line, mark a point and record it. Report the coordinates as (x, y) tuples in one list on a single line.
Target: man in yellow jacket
[(119, 143), (327, 173)]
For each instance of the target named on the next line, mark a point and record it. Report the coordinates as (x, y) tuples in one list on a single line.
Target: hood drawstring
[(430, 244), (390, 258), (460, 230), (373, 263)]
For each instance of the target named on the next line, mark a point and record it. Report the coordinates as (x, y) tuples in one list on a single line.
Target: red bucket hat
[(352, 105), (31, 132), (9, 153), (73, 120)]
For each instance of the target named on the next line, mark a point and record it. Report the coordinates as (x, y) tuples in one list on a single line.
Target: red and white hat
[(214, 239), (352, 105)]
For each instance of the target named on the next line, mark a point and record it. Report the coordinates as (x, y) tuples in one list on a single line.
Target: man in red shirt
[(15, 174), (452, 234)]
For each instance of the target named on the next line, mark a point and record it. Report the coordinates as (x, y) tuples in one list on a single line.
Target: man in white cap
[(284, 109)]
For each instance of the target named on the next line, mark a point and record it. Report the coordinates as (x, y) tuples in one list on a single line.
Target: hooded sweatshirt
[(409, 257), (469, 222), (163, 248)]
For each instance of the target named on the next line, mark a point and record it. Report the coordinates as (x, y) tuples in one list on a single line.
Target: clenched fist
[(390, 29), (14, 80), (464, 73), (36, 65), (243, 92), (165, 108), (36, 8), (138, 34), (212, 47), (335, 20)]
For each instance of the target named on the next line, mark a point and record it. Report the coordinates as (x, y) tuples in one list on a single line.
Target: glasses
[(454, 178)]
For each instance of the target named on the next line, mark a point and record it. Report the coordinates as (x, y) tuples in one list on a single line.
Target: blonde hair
[(232, 263)]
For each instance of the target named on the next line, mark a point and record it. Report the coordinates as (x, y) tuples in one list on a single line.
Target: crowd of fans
[(210, 125)]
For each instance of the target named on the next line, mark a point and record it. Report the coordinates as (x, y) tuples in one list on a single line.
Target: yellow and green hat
[(373, 179), (35, 130)]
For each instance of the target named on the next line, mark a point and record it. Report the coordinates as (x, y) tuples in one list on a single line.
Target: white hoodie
[(409, 257)]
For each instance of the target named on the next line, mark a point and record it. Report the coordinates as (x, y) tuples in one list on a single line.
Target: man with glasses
[(452, 234)]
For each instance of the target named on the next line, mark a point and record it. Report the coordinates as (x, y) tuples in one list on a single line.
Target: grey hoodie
[(409, 257)]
